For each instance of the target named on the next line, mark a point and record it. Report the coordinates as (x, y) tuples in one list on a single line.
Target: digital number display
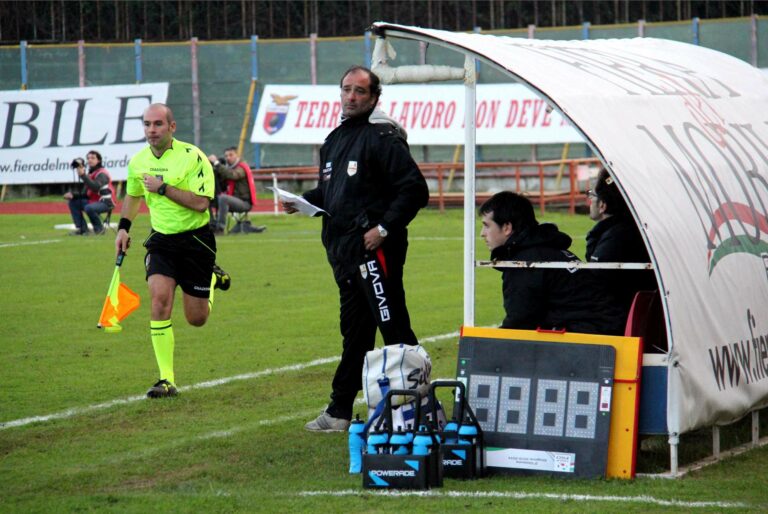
[(534, 395), (561, 408)]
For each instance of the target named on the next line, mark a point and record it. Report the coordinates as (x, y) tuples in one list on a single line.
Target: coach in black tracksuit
[(371, 188)]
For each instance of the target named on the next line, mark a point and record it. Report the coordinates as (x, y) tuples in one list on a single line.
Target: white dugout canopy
[(684, 132)]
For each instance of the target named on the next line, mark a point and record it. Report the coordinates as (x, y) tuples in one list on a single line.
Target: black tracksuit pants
[(371, 298)]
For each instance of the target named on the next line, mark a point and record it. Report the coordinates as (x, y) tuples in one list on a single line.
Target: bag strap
[(384, 388)]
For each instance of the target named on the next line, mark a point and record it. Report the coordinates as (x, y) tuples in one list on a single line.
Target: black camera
[(77, 162)]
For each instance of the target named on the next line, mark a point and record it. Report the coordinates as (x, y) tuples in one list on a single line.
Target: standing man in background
[(371, 188), (176, 181)]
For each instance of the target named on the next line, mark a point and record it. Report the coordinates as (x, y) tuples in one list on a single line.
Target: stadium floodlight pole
[(470, 100)]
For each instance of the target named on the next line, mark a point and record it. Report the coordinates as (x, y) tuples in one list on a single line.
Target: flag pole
[(113, 285)]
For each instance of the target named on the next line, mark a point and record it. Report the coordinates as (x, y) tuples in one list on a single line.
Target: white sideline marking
[(28, 243), (74, 411), (527, 496)]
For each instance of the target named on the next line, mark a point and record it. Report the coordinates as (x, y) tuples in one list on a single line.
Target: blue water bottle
[(377, 442), (450, 432), (422, 441), (400, 442), (356, 443), (467, 434)]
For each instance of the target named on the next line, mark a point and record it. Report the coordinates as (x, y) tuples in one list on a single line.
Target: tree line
[(59, 21)]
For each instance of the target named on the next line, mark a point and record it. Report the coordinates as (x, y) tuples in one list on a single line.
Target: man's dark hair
[(98, 156), (375, 81), (509, 207), (231, 149), (608, 192)]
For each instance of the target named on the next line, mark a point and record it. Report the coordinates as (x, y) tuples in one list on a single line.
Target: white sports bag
[(395, 367)]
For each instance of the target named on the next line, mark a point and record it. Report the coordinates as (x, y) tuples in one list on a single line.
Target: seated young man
[(541, 297)]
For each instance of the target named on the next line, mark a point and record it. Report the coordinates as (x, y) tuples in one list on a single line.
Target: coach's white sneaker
[(327, 423)]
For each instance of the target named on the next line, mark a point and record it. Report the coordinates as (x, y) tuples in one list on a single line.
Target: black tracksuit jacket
[(553, 298), (367, 177)]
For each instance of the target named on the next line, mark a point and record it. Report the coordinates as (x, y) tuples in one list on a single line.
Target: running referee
[(177, 183)]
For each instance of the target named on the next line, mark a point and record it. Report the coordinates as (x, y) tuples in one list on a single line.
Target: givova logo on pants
[(371, 268)]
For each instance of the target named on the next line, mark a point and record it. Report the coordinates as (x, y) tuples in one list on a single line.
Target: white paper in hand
[(299, 203)]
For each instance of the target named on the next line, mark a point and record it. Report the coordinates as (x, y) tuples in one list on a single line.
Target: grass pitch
[(233, 441)]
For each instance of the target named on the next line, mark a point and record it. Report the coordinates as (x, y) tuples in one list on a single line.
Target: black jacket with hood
[(617, 239), (367, 177), (553, 298)]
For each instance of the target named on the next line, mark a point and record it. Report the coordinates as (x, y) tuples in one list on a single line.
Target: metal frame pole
[(256, 96), (24, 71), (367, 49), (195, 92), (138, 70), (470, 101), (81, 63), (695, 28)]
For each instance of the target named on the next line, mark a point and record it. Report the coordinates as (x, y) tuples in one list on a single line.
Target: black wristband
[(162, 188), (124, 224)]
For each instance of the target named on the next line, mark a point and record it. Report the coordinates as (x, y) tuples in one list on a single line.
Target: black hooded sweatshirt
[(553, 298), (367, 177)]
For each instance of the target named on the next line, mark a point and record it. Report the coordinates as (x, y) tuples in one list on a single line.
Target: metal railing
[(560, 182)]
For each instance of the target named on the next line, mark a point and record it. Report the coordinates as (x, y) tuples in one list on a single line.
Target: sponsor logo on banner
[(44, 129), (277, 112), (352, 168), (432, 115)]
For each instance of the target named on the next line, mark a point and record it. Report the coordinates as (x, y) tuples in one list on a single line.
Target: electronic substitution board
[(544, 407)]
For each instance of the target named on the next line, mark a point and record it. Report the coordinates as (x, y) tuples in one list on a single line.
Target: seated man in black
[(545, 298), (616, 238)]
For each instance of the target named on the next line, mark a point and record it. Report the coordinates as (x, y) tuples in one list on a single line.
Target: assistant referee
[(177, 183)]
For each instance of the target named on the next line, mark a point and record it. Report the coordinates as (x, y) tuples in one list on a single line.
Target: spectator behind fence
[(616, 238), (545, 298), (239, 190), (96, 197)]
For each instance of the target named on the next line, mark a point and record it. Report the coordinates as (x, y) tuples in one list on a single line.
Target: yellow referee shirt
[(182, 166)]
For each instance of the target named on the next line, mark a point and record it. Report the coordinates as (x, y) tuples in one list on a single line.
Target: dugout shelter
[(684, 132)]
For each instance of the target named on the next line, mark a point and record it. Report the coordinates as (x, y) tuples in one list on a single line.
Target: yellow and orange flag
[(120, 301)]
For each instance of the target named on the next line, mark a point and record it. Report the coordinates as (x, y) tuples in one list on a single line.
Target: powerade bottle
[(422, 441), (400, 442), (356, 443), (451, 432), (377, 442), (467, 434)]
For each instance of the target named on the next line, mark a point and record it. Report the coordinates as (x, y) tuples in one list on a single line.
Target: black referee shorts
[(187, 257)]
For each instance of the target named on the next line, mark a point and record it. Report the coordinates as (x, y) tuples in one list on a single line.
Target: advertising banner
[(506, 114), (42, 131)]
